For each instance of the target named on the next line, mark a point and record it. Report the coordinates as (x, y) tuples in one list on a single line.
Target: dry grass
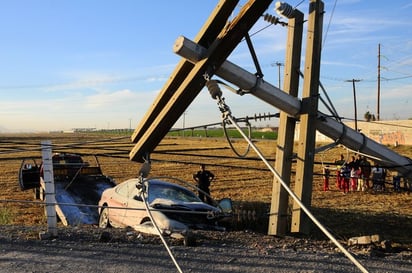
[(247, 181)]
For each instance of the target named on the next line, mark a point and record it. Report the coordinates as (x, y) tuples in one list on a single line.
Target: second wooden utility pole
[(308, 118)]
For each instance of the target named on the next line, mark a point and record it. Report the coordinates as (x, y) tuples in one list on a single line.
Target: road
[(126, 251)]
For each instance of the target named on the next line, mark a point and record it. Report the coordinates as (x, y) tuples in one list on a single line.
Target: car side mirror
[(226, 205)]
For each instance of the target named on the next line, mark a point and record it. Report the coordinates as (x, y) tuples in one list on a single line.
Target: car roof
[(155, 182)]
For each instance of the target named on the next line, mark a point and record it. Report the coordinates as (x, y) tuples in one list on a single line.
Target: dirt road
[(125, 251)]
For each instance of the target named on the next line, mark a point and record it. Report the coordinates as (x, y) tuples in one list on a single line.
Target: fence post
[(50, 194)]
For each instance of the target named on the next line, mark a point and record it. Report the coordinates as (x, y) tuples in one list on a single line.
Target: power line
[(330, 21), (395, 79)]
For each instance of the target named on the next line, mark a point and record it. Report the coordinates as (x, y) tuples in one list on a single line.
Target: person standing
[(354, 175), (358, 160), (203, 178), (377, 174), (345, 175), (352, 163), (326, 175), (339, 178), (397, 182), (365, 167)]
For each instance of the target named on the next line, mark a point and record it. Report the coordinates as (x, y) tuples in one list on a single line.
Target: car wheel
[(104, 218), (145, 220), (189, 240)]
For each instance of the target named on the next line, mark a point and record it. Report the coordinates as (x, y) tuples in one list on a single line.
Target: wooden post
[(50, 194), (308, 118), (285, 142)]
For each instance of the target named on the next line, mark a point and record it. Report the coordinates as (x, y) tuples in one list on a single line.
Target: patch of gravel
[(90, 249)]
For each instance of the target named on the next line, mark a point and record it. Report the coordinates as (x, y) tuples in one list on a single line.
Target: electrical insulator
[(284, 9), (271, 19), (214, 89)]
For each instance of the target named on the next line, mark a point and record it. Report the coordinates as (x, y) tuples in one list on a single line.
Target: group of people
[(354, 175), (357, 174)]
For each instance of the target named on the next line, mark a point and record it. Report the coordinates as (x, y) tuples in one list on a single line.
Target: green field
[(219, 132), (255, 133)]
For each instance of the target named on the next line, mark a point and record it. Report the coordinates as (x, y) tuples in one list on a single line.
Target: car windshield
[(171, 192)]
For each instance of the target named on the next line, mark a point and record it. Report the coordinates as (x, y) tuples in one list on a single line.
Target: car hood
[(179, 205)]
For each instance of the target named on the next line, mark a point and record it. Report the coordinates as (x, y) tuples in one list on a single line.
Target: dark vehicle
[(174, 208), (76, 182)]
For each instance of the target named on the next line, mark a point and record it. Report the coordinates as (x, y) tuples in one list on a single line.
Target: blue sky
[(88, 63)]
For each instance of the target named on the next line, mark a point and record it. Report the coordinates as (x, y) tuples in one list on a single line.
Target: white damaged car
[(174, 208)]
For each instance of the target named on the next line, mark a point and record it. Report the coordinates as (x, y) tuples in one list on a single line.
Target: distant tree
[(369, 117)]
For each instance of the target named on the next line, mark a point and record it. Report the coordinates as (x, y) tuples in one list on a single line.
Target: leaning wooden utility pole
[(285, 142), (207, 35), (308, 118), (174, 101)]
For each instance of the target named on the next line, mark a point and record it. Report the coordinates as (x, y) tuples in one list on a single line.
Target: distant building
[(387, 132), (83, 130), (392, 132)]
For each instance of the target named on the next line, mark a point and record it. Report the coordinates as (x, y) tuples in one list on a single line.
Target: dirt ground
[(246, 249), (85, 249)]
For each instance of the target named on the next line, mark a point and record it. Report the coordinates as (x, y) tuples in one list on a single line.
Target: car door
[(118, 205), (135, 211)]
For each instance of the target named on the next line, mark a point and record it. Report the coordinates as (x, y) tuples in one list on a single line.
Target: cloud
[(99, 80), (106, 100), (76, 110)]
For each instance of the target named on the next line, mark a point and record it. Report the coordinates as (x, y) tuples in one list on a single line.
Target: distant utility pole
[(278, 64), (184, 120), (378, 110), (354, 102)]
